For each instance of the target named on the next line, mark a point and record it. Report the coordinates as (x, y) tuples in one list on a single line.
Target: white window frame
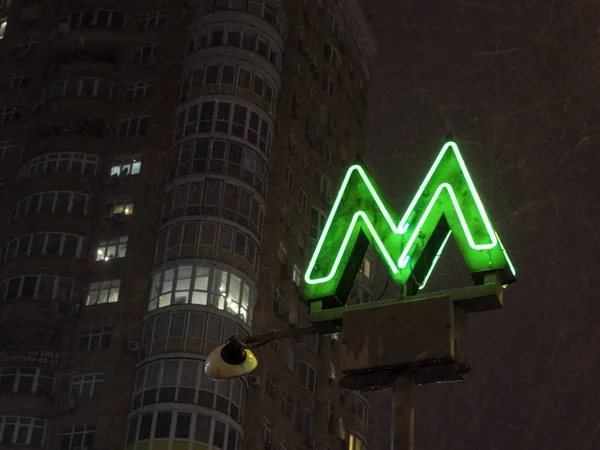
[(100, 332), (118, 246), (89, 381), (297, 275), (310, 376), (267, 430), (74, 430), (141, 90), (18, 423), (125, 167), (103, 292)]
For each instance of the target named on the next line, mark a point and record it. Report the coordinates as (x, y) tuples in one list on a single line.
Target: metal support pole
[(403, 413)]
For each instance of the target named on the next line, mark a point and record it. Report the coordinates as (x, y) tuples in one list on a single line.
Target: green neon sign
[(445, 204)]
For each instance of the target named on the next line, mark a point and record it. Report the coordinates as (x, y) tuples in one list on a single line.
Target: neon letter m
[(446, 203)]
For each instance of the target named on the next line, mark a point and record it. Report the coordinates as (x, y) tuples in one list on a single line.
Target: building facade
[(166, 167)]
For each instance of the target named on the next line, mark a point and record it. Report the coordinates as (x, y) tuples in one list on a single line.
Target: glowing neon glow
[(446, 192)]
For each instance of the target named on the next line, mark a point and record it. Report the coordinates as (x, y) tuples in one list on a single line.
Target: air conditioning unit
[(133, 346), (67, 404), (254, 380), (310, 441)]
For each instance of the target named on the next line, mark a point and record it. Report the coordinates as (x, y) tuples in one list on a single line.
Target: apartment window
[(332, 375), (51, 202), (183, 380), (282, 253), (16, 80), (10, 114), (299, 71), (293, 142), (267, 430), (282, 444), (148, 55), (96, 18), (77, 437), (356, 443), (286, 216), (297, 275), (61, 244), (322, 186), (27, 380), (140, 90), (288, 404), (330, 414), (359, 409), (134, 126), (289, 359), (317, 223), (303, 420), (341, 429), (39, 287), (77, 87), (94, 338), (313, 96), (366, 268), (111, 248), (151, 20), (296, 106), (120, 207), (177, 426), (22, 430), (271, 385), (289, 178), (303, 199), (331, 86), (306, 162), (23, 48), (102, 292), (293, 316), (202, 285), (6, 147), (125, 167), (86, 386), (3, 22), (331, 54), (307, 376), (50, 163), (311, 341)]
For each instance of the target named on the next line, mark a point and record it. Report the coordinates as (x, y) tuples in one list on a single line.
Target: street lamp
[(235, 358)]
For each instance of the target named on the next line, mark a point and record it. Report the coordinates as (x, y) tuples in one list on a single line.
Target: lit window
[(199, 285), (86, 386), (125, 167), (111, 248), (103, 292), (21, 430), (297, 275), (75, 437), (3, 23), (124, 207), (355, 443)]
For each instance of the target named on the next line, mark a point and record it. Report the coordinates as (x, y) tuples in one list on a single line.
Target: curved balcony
[(211, 196), (270, 11), (237, 35), (21, 429), (41, 288), (228, 76), (82, 95), (198, 239), (221, 157), (92, 25), (227, 118), (208, 286), (67, 245), (59, 163), (51, 202), (182, 427)]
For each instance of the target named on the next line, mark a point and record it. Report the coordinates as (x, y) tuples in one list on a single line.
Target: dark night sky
[(518, 85)]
